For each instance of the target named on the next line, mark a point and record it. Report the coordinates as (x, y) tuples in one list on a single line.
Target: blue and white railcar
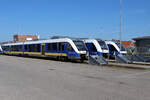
[(96, 47), (58, 48), (114, 48)]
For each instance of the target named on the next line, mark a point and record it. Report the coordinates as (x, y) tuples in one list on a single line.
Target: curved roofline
[(144, 37), (39, 41)]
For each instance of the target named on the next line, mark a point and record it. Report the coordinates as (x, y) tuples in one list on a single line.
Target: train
[(114, 48), (64, 48), (60, 48), (96, 47)]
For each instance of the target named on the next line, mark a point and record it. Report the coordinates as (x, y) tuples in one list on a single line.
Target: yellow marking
[(55, 54), (36, 53), (43, 44), (16, 52), (13, 52), (33, 53), (7, 52)]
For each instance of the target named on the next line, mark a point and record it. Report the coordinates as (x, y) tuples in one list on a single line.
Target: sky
[(74, 18)]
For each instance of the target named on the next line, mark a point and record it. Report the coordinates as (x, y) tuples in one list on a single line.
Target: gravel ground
[(39, 79)]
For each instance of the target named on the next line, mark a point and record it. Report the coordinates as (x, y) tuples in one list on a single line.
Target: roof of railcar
[(40, 41)]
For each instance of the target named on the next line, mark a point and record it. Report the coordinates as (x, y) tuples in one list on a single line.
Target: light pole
[(120, 22)]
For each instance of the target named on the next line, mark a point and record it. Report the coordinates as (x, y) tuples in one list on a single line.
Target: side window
[(38, 47), (61, 46), (54, 46), (5, 48), (49, 47), (93, 47), (12, 48), (70, 48), (30, 48), (25, 47), (34, 47), (20, 47)]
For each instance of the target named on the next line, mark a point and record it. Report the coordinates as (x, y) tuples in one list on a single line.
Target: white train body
[(96, 47), (114, 48)]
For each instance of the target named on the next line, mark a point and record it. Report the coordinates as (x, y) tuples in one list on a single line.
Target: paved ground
[(39, 79)]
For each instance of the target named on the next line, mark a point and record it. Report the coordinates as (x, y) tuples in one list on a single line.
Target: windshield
[(103, 45), (122, 48), (80, 45)]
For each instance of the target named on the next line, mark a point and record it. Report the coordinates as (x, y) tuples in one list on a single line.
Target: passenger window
[(49, 46), (25, 47), (20, 48), (38, 47), (30, 48), (54, 46), (33, 49), (61, 46)]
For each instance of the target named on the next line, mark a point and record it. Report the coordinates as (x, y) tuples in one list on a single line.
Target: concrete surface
[(39, 79), (134, 66)]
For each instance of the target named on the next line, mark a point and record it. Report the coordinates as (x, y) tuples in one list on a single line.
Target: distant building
[(22, 38), (127, 44), (143, 44)]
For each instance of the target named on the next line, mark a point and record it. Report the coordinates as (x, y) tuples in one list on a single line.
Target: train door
[(70, 50), (43, 49)]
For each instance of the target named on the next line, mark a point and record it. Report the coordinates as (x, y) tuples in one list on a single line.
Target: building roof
[(141, 38), (127, 43)]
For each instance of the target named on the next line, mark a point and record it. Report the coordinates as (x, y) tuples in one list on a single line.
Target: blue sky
[(76, 18)]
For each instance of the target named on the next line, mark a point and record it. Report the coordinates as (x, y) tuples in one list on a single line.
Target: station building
[(142, 44), (23, 38)]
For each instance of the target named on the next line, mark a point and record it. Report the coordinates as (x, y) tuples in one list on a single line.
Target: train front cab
[(96, 47), (80, 49), (92, 49), (114, 48)]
